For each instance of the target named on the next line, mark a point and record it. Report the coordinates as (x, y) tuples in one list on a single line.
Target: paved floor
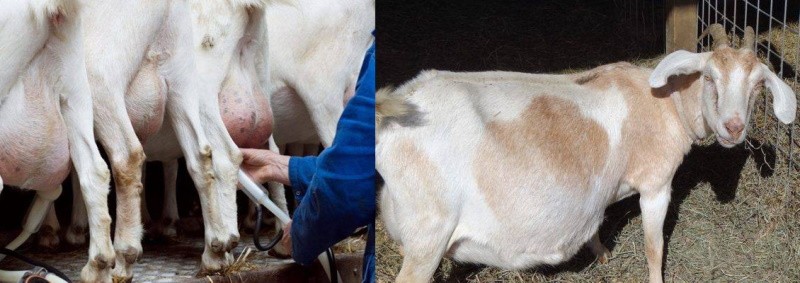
[(176, 261)]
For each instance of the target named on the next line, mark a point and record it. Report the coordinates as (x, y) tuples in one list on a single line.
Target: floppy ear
[(784, 100), (680, 62)]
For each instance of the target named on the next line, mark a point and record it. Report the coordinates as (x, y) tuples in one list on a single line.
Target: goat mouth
[(726, 142)]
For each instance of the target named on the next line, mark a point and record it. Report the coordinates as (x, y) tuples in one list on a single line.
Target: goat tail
[(388, 105)]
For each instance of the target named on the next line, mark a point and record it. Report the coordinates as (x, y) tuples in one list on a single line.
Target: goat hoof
[(232, 243), (602, 257), (170, 232), (131, 254), (216, 246), (121, 279), (214, 264), (48, 238), (103, 262), (76, 235)]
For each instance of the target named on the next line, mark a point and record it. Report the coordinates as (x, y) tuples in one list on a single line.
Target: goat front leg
[(654, 205), (226, 164), (183, 111), (77, 111), (126, 154)]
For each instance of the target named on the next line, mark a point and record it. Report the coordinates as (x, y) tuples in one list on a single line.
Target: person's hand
[(284, 247), (265, 166)]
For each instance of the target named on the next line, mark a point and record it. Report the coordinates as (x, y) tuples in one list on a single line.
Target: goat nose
[(734, 127)]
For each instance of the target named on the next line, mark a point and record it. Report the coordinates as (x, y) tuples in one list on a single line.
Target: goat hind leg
[(598, 249), (183, 112), (78, 227), (48, 233), (36, 215), (169, 214)]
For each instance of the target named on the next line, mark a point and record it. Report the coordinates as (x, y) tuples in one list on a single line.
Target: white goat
[(169, 68), (46, 113), (243, 97), (315, 53), (539, 157)]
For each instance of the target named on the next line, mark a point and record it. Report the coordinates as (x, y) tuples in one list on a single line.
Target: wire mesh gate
[(777, 44)]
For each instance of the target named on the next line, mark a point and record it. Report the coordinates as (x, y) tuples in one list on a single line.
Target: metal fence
[(778, 44)]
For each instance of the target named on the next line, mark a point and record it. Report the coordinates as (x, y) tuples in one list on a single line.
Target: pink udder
[(35, 157), (247, 116), (146, 101)]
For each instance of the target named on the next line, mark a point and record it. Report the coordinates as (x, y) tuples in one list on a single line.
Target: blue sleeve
[(340, 192), (301, 172)]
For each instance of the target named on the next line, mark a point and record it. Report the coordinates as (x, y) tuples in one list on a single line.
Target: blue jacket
[(336, 190)]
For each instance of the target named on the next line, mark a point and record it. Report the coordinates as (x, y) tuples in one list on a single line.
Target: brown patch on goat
[(127, 176), (207, 166), (728, 58), (428, 177), (551, 133), (651, 156)]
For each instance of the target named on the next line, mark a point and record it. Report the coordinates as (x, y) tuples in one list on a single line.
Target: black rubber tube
[(30, 261), (257, 229), (329, 252), (332, 265)]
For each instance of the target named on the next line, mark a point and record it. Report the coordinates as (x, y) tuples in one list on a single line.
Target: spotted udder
[(247, 114)]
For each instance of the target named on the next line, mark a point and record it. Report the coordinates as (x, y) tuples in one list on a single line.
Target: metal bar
[(760, 11)]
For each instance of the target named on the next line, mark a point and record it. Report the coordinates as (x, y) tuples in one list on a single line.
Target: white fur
[(315, 50), (785, 103), (189, 47), (315, 53), (44, 85), (680, 62)]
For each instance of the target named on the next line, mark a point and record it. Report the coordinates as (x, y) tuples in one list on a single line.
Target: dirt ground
[(735, 213)]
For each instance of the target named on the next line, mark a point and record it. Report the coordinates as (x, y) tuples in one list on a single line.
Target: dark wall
[(526, 36)]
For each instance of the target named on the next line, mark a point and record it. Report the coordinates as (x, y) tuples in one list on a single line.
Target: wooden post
[(681, 25)]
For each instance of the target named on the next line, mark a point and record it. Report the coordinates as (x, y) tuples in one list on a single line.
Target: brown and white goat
[(552, 152)]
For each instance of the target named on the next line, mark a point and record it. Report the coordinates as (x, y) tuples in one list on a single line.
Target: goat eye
[(707, 78)]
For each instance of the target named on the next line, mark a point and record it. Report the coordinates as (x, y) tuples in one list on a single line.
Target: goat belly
[(247, 115), (34, 150)]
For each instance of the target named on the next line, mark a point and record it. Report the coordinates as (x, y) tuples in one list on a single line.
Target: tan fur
[(726, 58), (550, 131), (605, 76), (388, 105), (638, 130), (426, 172), (602, 76)]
